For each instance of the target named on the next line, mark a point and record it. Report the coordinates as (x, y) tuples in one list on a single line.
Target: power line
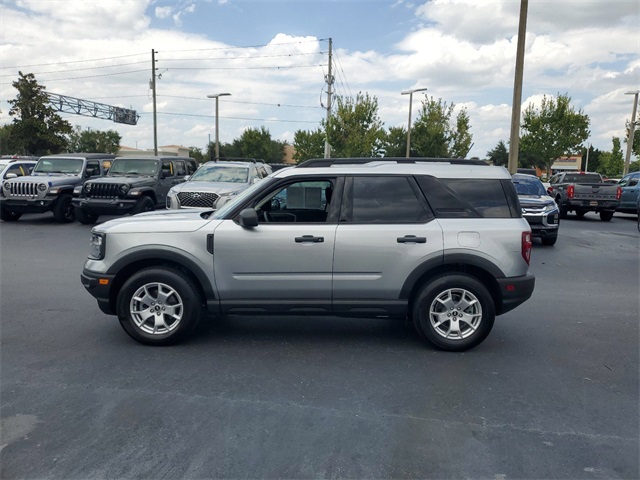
[(244, 102), (74, 61), (230, 118), (250, 57), (80, 69), (246, 68), (246, 46)]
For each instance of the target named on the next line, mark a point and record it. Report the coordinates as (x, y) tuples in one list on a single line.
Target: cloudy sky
[(272, 56)]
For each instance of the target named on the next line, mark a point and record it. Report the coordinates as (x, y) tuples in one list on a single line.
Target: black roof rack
[(327, 162), (238, 159)]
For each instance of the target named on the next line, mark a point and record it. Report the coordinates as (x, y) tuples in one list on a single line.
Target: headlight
[(229, 194), (6, 186), (549, 207), (87, 187), (42, 187), (124, 189), (96, 246)]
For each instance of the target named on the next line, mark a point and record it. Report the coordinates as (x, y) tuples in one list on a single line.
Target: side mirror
[(633, 182), (89, 172), (10, 175), (187, 177), (248, 218), (163, 174)]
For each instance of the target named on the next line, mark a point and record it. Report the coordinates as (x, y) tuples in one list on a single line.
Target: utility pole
[(514, 143), (153, 91), (632, 128), (410, 93), (329, 79)]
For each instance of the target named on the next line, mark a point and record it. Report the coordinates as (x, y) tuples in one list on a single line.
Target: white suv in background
[(215, 183)]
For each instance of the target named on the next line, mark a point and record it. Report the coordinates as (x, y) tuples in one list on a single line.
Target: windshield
[(59, 165), (222, 211), (221, 173), (528, 186), (133, 166)]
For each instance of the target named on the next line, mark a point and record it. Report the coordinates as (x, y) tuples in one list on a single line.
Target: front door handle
[(309, 239), (411, 239)]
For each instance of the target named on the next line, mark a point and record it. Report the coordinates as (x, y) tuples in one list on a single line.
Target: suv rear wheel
[(158, 306), (454, 312)]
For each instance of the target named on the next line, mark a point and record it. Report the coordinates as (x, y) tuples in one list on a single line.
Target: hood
[(213, 187), (161, 221), (131, 180), (535, 200), (50, 180)]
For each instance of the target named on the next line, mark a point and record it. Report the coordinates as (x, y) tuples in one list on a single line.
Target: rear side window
[(388, 199), (468, 198)]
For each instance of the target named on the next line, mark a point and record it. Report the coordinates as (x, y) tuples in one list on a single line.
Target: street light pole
[(217, 96), (632, 127), (410, 93)]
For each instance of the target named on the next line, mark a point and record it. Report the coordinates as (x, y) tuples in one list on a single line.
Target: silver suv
[(215, 183), (441, 243)]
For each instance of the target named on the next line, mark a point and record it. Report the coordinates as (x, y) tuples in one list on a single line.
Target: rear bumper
[(99, 285), (575, 204), (515, 291)]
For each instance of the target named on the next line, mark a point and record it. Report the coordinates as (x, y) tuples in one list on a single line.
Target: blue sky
[(463, 51)]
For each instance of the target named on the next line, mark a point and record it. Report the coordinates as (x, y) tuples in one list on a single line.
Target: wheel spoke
[(156, 308), (455, 314), (144, 314)]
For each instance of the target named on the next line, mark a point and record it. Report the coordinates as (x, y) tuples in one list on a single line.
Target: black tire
[(551, 241), (562, 208), (145, 204), (64, 211), (9, 216), (478, 317), (580, 214), (606, 215), (85, 217), (153, 290)]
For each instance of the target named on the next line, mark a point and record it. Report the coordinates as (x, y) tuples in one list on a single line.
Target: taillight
[(618, 193), (526, 246), (570, 191)]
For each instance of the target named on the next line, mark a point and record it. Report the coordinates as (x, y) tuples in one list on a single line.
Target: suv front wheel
[(454, 312), (158, 306)]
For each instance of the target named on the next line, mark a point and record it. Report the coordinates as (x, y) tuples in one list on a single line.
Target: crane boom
[(63, 103)]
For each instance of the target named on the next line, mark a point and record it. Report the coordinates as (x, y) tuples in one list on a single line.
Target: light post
[(217, 96), (632, 127), (410, 93)]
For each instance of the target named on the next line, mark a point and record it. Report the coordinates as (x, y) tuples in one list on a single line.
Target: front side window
[(389, 199), (181, 170), (300, 202)]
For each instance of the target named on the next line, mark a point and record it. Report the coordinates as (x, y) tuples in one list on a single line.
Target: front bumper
[(105, 206), (99, 285), (543, 224), (515, 291), (28, 205)]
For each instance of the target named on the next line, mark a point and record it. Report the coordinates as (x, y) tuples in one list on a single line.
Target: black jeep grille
[(103, 190), (198, 199)]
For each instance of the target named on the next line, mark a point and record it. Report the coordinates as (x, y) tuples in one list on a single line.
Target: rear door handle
[(412, 239), (309, 239)]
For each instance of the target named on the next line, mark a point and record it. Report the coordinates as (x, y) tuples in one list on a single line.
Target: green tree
[(308, 145), (612, 163), (196, 152), (499, 155), (593, 155), (434, 135), (554, 130), (395, 142), (254, 143), (5, 140), (355, 130), (94, 140), (635, 148), (37, 129)]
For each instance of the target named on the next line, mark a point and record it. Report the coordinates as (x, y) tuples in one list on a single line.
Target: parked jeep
[(442, 243), (133, 185), (50, 185)]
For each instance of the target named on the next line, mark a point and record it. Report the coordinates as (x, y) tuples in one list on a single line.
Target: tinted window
[(582, 178), (528, 185), (181, 171), (385, 200), (466, 198)]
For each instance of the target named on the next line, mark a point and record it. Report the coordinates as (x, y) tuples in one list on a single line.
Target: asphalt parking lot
[(552, 393)]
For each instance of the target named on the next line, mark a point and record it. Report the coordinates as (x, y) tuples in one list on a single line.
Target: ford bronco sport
[(442, 242)]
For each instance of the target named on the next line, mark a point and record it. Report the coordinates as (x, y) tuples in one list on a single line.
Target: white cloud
[(163, 12)]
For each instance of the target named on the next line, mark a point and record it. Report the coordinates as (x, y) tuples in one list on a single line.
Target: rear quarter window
[(470, 197)]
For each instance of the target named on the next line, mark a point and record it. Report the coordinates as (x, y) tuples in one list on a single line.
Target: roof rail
[(327, 162), (238, 159)]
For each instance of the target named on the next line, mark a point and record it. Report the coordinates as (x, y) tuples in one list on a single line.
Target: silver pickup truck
[(583, 192)]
